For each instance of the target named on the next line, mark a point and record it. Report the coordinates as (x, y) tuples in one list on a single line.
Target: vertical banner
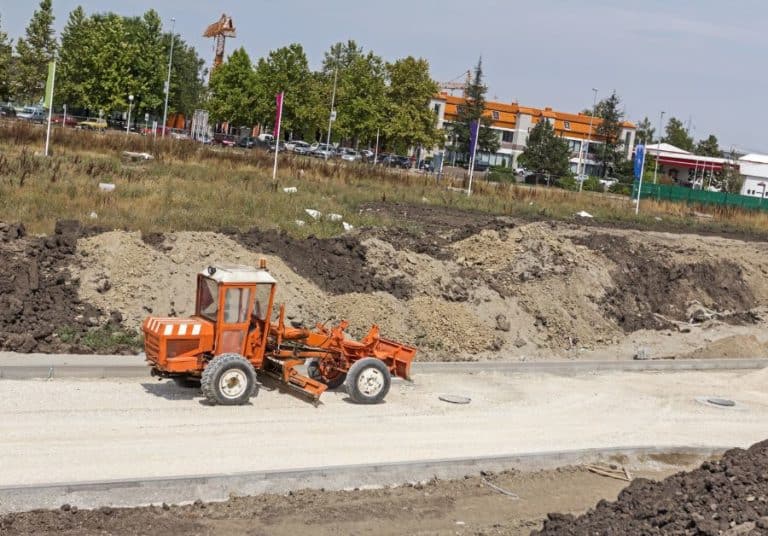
[(639, 160), (49, 85), (278, 118), (474, 130)]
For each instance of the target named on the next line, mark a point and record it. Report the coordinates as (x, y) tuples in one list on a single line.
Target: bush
[(501, 174), (592, 184), (621, 188), (567, 183)]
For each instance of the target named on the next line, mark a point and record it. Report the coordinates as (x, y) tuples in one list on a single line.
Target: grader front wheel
[(368, 381), (316, 372), (229, 380)]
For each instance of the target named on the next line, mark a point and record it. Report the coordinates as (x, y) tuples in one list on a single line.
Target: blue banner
[(639, 160), (474, 130)]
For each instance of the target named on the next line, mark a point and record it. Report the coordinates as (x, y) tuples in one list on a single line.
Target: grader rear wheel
[(315, 371), (229, 380), (368, 381)]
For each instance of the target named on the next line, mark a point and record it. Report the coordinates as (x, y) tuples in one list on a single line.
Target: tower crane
[(219, 31)]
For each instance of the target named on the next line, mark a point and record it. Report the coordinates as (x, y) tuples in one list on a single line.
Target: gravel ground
[(62, 431)]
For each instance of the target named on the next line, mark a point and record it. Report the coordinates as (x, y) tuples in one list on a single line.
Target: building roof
[(237, 274), (504, 115), (666, 148), (754, 157), (751, 169)]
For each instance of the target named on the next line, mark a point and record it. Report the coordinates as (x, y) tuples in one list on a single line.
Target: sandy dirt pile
[(726, 497)]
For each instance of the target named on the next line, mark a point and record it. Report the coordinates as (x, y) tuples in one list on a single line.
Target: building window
[(567, 125), (495, 115), (507, 136), (460, 109), (437, 108)]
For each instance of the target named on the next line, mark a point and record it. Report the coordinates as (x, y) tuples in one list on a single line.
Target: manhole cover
[(455, 399), (721, 402)]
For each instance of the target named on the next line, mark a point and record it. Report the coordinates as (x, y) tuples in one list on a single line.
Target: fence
[(678, 194)]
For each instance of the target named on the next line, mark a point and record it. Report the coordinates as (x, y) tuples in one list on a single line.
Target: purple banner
[(474, 131)]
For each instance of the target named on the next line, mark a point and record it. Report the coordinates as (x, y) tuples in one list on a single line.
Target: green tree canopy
[(232, 89), (546, 152), (677, 135), (361, 99), (708, 147), (472, 110), (612, 151), (34, 52), (645, 132), (409, 120), (6, 53)]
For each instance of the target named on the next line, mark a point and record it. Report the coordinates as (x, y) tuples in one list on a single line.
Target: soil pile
[(726, 497), (651, 287), (733, 347), (40, 310)]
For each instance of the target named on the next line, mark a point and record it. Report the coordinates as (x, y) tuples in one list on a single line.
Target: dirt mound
[(719, 498), (733, 347), (40, 310), (651, 287), (336, 265)]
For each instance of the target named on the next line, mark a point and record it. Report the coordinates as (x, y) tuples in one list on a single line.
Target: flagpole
[(472, 158), (50, 110), (277, 133)]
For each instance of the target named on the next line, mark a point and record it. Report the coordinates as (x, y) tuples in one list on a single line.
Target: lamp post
[(585, 149), (168, 80), (130, 108), (658, 147), (332, 116)]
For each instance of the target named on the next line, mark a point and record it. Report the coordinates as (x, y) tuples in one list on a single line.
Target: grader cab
[(232, 340)]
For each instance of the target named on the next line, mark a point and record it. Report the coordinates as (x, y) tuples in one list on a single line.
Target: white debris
[(334, 217), (93, 215), (299, 222), (291, 190), (315, 214), (106, 187), (347, 226), (583, 214), (138, 156)]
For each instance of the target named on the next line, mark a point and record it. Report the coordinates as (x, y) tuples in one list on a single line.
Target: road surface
[(79, 430)]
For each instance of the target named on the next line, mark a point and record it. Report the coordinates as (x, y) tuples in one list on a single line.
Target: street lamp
[(168, 80), (658, 147), (130, 108), (585, 149)]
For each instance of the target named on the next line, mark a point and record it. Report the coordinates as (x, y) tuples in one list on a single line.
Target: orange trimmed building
[(513, 123)]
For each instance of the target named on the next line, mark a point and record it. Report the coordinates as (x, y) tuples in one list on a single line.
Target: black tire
[(313, 371), (368, 381), (187, 382), (229, 380)]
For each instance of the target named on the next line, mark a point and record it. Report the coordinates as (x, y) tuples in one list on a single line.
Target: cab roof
[(237, 274)]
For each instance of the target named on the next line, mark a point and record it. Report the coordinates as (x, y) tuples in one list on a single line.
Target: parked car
[(271, 147), (394, 160), (304, 149), (67, 121), (34, 114), (297, 146), (607, 182), (8, 112), (247, 142), (93, 124), (350, 155), (266, 138), (323, 150), (427, 166), (367, 154)]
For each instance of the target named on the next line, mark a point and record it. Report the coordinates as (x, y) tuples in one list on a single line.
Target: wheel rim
[(370, 382), (233, 383)]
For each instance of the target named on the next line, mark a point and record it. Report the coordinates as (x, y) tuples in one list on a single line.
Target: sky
[(701, 61)]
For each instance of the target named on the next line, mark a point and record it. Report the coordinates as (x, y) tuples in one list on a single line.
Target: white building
[(754, 169)]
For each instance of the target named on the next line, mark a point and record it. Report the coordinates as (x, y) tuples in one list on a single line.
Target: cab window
[(209, 299), (261, 303), (236, 306)]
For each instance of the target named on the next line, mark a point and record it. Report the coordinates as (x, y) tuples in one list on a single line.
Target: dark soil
[(729, 496), (337, 265), (649, 283), (39, 306), (429, 229)]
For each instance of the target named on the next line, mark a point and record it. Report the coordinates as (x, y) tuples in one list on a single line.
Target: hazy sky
[(698, 60)]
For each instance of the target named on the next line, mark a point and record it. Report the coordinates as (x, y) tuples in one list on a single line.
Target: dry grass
[(189, 186)]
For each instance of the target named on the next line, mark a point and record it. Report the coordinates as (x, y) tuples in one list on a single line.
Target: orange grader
[(232, 340)]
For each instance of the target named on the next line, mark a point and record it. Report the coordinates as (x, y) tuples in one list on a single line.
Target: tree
[(361, 99), (612, 152), (409, 120), (188, 75), (708, 147), (6, 52), (285, 69), (472, 110), (546, 152), (34, 52), (645, 132), (677, 135), (233, 90)]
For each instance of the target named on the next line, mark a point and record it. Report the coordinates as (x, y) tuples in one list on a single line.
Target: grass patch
[(192, 187)]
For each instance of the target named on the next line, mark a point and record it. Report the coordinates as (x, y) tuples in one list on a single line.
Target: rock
[(642, 354), (115, 318), (503, 323)]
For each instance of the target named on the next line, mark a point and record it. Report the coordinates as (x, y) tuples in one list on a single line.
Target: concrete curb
[(219, 487), (42, 366)]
